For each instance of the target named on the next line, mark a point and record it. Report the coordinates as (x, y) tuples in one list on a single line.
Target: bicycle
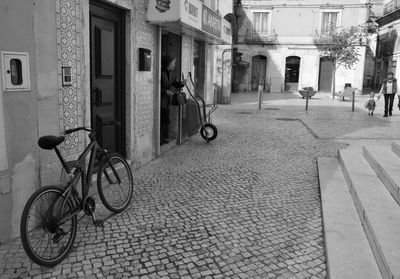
[(49, 219)]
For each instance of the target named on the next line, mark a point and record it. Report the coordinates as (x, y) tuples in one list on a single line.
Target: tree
[(341, 46)]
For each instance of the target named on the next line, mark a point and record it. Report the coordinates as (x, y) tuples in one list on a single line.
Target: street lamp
[(372, 26)]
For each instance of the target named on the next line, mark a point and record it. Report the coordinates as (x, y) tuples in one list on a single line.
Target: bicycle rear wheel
[(115, 183), (43, 240)]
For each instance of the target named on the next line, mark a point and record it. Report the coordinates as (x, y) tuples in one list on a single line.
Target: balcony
[(256, 38), (391, 7)]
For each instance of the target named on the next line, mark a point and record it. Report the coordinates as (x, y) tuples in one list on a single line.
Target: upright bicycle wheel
[(44, 241), (208, 132), (115, 183)]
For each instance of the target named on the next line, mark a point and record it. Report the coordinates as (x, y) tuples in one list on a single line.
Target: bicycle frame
[(93, 148)]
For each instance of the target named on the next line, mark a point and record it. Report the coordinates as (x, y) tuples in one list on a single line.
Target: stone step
[(347, 249), (396, 147), (377, 209), (386, 165)]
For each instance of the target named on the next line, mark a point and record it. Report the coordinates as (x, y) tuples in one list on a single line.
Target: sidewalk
[(246, 205), (353, 128)]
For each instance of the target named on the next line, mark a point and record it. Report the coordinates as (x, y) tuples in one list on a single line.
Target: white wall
[(3, 148)]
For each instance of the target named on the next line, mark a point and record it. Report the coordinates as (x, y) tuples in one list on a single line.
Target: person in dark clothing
[(389, 90), (169, 84)]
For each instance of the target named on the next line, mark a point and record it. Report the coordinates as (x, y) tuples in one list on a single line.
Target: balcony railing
[(257, 38), (391, 7)]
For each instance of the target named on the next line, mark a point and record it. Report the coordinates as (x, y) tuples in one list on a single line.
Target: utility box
[(15, 71)]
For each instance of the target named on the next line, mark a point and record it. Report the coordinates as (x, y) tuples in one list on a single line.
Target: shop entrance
[(107, 81), (169, 115), (292, 73), (258, 71), (199, 66)]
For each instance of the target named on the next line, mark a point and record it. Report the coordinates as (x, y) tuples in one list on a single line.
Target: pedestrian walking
[(389, 90), (371, 103), (169, 85)]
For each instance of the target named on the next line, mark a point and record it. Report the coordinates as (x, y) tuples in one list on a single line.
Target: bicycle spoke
[(42, 246), (40, 241)]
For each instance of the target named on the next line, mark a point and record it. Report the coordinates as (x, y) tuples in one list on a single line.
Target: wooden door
[(258, 71), (325, 75), (107, 75)]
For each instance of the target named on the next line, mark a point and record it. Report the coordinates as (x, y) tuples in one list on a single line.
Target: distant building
[(388, 50), (274, 44)]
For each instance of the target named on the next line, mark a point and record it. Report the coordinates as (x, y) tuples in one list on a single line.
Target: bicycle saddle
[(49, 142)]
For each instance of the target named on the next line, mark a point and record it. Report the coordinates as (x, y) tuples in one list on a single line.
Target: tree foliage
[(340, 45)]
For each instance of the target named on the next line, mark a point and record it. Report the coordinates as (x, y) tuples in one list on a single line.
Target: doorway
[(199, 67), (326, 70), (170, 46), (258, 71), (107, 55), (292, 73)]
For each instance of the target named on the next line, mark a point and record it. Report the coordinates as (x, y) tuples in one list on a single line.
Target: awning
[(192, 18)]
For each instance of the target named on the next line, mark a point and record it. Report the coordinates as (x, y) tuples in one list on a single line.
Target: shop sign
[(226, 34), (211, 22), (191, 13), (163, 10)]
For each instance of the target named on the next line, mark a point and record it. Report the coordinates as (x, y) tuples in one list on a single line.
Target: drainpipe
[(222, 75)]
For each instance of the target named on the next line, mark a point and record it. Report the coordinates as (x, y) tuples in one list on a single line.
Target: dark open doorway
[(169, 126), (292, 73)]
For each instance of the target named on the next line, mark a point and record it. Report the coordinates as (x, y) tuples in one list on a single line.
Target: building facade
[(275, 44), (70, 63), (388, 48)]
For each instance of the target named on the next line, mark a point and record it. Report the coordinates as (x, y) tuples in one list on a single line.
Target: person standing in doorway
[(168, 85), (389, 90)]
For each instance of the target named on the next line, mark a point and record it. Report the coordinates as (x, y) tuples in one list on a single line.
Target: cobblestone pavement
[(246, 205)]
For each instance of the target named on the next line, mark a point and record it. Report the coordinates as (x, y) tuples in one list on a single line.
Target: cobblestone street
[(247, 205)]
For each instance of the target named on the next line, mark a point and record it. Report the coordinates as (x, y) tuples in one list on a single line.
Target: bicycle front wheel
[(45, 241), (115, 183)]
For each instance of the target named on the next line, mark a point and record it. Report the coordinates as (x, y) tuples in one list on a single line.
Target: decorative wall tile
[(68, 18)]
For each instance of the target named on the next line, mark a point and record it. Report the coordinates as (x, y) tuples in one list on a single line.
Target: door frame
[(120, 75)]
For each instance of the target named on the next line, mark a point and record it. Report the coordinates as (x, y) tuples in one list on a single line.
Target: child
[(371, 103)]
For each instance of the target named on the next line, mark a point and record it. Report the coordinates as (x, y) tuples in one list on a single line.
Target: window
[(260, 22), (330, 21), (394, 67)]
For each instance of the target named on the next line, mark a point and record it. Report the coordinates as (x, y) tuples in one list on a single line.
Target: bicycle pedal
[(98, 223)]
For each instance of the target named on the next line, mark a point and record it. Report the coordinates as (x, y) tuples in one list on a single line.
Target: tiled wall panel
[(69, 47)]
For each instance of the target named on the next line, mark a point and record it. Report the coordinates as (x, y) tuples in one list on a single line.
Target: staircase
[(360, 195)]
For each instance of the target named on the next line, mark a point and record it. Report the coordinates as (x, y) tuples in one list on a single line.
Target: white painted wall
[(3, 147)]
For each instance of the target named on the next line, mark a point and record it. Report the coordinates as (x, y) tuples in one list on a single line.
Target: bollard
[(260, 89), (307, 99), (352, 105)]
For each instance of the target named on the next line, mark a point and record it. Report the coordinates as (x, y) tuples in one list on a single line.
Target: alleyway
[(246, 205)]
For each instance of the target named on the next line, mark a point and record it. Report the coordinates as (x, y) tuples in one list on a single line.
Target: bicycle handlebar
[(70, 131), (109, 123)]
